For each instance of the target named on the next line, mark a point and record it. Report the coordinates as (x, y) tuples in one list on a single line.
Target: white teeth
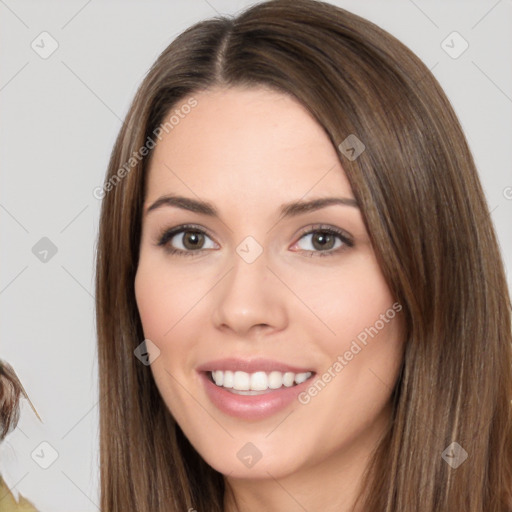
[(218, 377), (301, 377), (288, 379), (242, 381), (228, 378), (275, 380), (258, 381)]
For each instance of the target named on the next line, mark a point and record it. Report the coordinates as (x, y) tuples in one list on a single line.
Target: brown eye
[(192, 240), (185, 240), (324, 241)]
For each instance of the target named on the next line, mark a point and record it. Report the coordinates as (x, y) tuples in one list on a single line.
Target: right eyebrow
[(186, 203)]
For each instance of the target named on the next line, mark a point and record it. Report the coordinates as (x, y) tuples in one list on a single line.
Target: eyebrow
[(291, 209)]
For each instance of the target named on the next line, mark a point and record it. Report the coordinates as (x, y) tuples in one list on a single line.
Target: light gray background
[(59, 120)]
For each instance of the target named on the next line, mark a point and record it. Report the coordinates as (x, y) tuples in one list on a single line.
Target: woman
[(338, 336), (11, 390)]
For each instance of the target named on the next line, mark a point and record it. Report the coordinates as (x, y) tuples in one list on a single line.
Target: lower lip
[(252, 407)]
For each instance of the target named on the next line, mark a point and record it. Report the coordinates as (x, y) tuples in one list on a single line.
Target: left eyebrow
[(299, 207), (291, 209)]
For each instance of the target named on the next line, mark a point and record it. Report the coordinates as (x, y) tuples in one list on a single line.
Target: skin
[(247, 151)]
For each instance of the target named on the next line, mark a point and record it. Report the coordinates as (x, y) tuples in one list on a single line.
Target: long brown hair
[(425, 211)]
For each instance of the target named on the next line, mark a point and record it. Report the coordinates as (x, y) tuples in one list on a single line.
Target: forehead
[(254, 144)]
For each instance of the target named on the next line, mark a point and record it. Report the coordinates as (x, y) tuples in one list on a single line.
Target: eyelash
[(168, 234)]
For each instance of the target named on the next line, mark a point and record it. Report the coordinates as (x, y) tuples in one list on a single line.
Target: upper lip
[(250, 366)]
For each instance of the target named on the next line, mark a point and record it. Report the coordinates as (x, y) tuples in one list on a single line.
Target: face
[(256, 271)]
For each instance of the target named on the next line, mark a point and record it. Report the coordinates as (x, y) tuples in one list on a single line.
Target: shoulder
[(8, 502)]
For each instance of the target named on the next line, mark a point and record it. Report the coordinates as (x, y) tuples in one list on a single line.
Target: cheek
[(163, 303), (360, 333), (347, 299), (171, 307), (164, 297), (149, 295)]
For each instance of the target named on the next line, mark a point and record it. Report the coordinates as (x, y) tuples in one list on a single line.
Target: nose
[(250, 299)]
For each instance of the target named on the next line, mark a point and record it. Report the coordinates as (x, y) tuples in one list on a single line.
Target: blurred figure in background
[(11, 390)]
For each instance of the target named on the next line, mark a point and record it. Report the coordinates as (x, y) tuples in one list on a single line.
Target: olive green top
[(9, 504)]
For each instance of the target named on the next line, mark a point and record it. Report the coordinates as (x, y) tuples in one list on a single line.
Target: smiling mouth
[(257, 383)]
